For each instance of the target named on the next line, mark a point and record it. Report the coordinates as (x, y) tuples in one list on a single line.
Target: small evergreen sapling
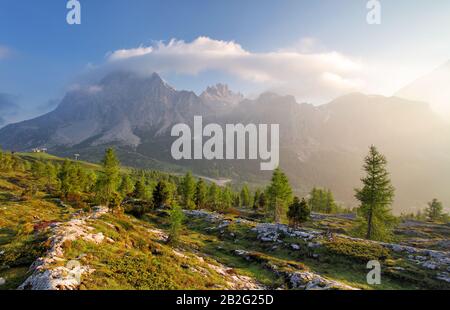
[(176, 218), (298, 212)]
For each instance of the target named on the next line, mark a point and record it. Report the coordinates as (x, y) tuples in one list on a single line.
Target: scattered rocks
[(223, 225), (274, 235), (429, 265), (313, 245), (209, 216), (47, 277), (60, 203), (267, 232), (160, 234), (235, 281), (299, 279), (244, 254), (179, 254), (443, 276), (398, 268), (59, 278), (310, 281), (425, 258), (295, 247)]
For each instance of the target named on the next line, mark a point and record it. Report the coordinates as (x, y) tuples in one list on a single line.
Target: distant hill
[(431, 88), (320, 146)]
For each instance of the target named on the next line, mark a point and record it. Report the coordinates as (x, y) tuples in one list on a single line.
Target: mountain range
[(319, 145)]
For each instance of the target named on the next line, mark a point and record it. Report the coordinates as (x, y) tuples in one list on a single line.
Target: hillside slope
[(46, 243)]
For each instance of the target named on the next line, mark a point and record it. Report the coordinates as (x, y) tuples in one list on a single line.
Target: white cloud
[(128, 53), (309, 76)]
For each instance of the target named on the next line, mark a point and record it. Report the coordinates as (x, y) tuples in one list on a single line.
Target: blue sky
[(41, 56)]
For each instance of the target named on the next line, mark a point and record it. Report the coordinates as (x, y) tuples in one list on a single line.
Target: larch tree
[(110, 178), (201, 194), (188, 187), (176, 217), (279, 194), (376, 196), (434, 210), (245, 196), (226, 199), (126, 186), (163, 194)]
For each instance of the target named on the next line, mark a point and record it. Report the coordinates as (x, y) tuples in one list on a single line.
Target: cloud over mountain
[(310, 76)]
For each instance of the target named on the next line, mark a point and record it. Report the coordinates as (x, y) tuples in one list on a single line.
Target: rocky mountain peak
[(126, 78), (221, 93)]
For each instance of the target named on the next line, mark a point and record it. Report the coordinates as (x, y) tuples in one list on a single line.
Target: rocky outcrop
[(299, 279), (310, 281), (47, 275), (270, 233)]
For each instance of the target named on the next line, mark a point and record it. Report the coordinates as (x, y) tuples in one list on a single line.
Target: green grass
[(137, 260), (343, 260), (23, 226), (135, 257)]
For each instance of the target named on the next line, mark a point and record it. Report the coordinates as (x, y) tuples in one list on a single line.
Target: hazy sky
[(315, 50)]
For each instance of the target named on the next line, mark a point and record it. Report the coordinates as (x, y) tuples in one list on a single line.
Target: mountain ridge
[(319, 145)]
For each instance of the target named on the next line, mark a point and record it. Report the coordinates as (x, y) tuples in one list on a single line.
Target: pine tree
[(298, 212), (142, 191), (322, 201), (435, 210), (256, 205), (214, 194), (109, 181), (64, 177), (226, 199), (314, 200), (376, 197), (163, 194), (126, 186), (201, 194), (188, 188), (279, 194), (176, 217), (245, 196), (330, 204), (90, 181), (69, 180)]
